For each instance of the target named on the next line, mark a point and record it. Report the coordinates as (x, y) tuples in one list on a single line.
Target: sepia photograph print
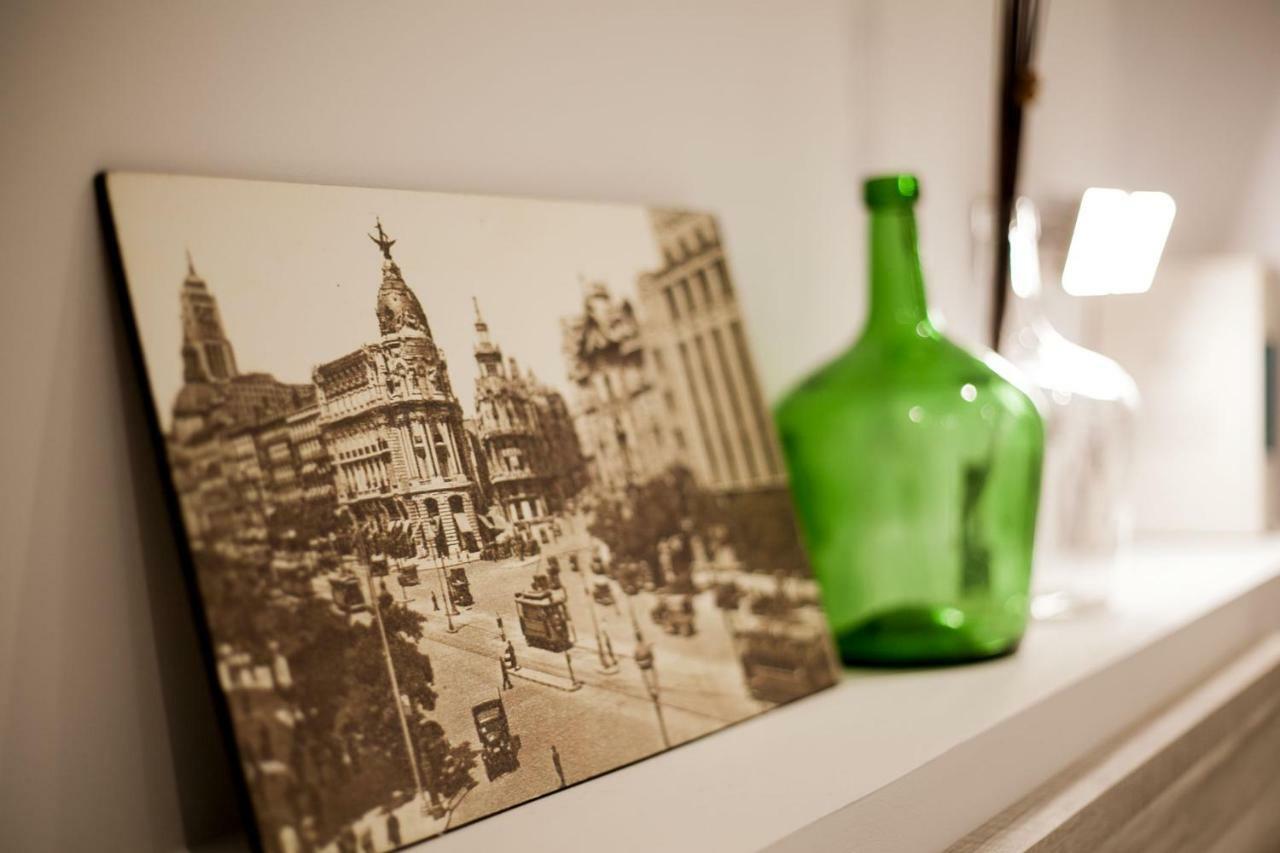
[(480, 495)]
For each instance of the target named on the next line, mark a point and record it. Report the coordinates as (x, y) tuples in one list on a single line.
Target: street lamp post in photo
[(433, 554), (644, 660), (449, 609), (364, 550), (607, 663)]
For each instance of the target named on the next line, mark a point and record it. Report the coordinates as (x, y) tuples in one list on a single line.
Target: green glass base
[(922, 636)]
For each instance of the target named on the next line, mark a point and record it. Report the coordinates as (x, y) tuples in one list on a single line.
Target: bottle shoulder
[(871, 365), (931, 372)]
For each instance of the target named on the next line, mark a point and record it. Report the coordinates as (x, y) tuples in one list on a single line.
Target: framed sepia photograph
[(478, 497)]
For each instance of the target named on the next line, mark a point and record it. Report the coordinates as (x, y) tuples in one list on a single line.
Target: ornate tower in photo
[(207, 355), (208, 362), (218, 416), (394, 428)]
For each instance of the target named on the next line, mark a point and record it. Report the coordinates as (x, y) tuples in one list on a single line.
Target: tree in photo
[(655, 517), (446, 767), (761, 530), (348, 752)]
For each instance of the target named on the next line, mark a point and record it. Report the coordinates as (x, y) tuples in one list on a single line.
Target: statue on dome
[(383, 241), (398, 308)]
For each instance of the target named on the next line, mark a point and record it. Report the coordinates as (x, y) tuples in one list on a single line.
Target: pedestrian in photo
[(366, 841), (428, 671), (511, 656), (608, 647), (506, 675), (310, 835), (289, 840), (393, 830), (435, 602), (555, 761)]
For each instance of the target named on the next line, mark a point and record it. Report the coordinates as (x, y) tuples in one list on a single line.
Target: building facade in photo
[(618, 415), (563, 447), (220, 418), (394, 429), (297, 475), (527, 441), (700, 364)]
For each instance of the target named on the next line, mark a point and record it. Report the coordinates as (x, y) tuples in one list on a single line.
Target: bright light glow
[(1024, 249), (1117, 242)]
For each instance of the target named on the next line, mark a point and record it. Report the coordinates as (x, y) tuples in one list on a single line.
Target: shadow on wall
[(201, 763)]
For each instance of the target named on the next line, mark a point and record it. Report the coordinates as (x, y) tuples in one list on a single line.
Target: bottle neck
[(897, 284)]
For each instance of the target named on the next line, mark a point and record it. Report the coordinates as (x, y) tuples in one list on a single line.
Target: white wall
[(742, 108), (1199, 457), (926, 74), (1174, 95), (1256, 224)]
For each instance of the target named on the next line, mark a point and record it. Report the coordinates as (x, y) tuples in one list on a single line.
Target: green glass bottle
[(916, 471)]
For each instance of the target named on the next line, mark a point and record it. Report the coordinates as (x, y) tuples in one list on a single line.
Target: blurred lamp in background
[(1089, 405), (1117, 243)]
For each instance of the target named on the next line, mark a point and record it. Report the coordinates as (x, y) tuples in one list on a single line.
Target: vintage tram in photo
[(785, 662), (544, 616)]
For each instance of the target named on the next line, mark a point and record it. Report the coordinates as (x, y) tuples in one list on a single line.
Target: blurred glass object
[(915, 467), (1089, 404), (1117, 242)]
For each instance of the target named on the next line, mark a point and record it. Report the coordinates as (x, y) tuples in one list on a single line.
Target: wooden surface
[(1202, 775)]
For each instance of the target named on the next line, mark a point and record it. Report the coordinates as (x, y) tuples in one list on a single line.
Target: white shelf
[(910, 761)]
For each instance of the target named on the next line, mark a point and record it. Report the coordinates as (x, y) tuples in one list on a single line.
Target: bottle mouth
[(891, 191)]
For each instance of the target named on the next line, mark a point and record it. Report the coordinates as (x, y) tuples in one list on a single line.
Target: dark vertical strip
[(704, 288), (722, 272), (671, 302), (1269, 396), (1017, 87)]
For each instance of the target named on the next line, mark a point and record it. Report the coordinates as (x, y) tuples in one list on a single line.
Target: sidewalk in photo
[(547, 679)]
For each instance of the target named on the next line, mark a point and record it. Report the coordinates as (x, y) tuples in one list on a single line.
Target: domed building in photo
[(394, 429)]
